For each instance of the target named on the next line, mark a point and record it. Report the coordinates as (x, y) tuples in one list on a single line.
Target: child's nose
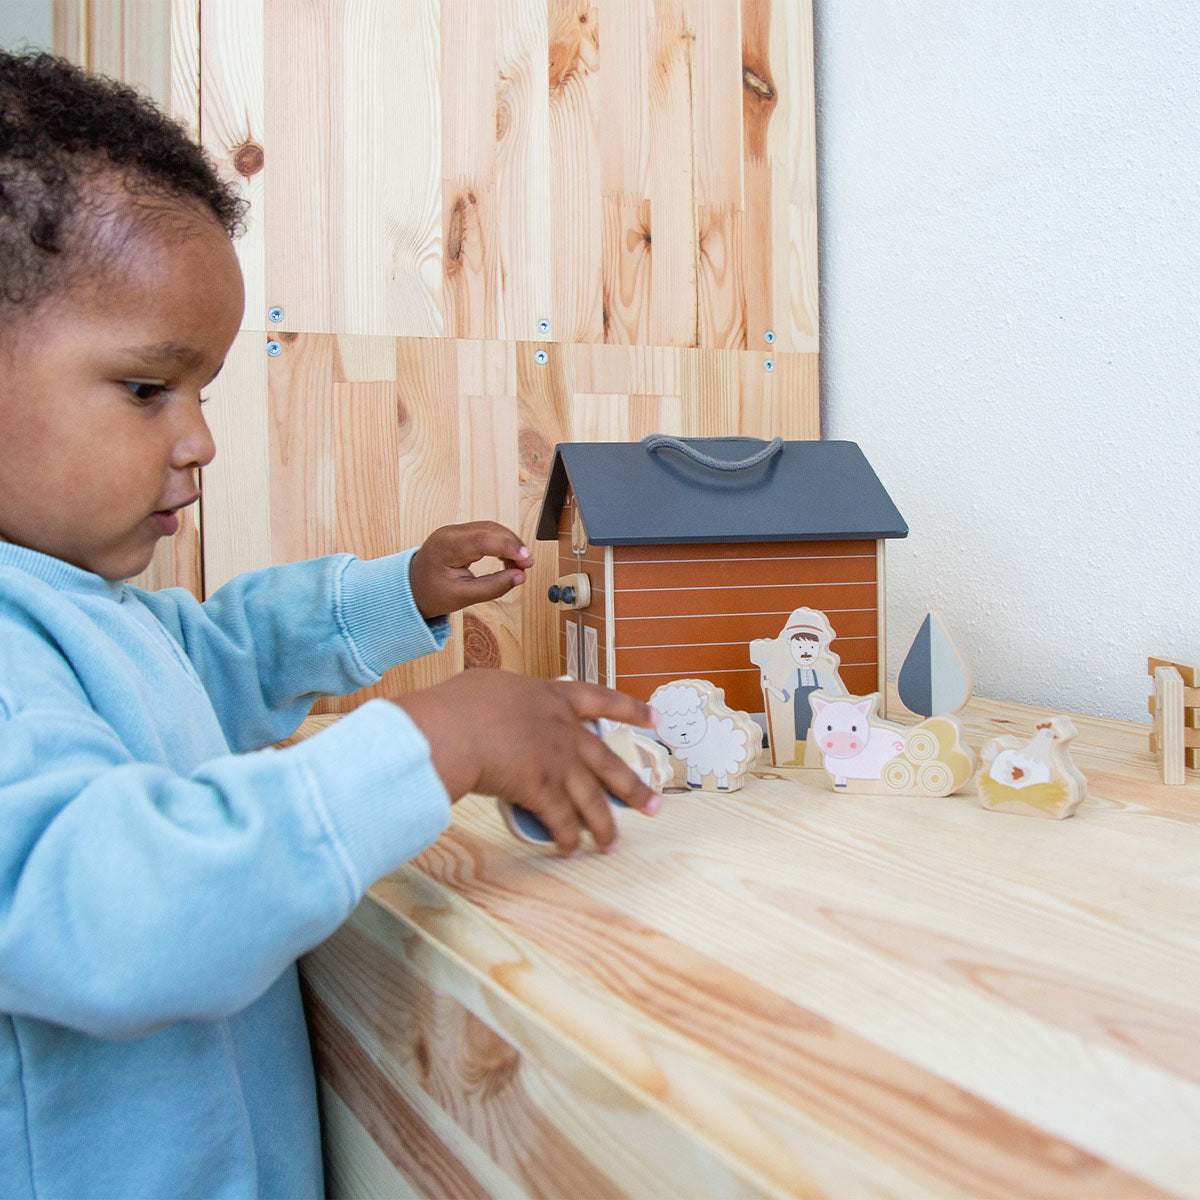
[(194, 445)]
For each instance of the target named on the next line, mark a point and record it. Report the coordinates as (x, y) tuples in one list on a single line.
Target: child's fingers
[(593, 809), (560, 817), (589, 701), (617, 778), (486, 539), (475, 589)]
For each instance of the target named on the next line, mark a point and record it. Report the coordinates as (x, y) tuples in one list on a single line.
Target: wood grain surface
[(366, 444), (785, 992), (626, 171)]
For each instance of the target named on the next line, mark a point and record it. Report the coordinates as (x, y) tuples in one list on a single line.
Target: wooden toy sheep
[(715, 742)]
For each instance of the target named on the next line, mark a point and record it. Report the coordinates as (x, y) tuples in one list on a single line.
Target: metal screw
[(543, 327), (275, 314), (769, 337), (769, 365), (274, 349), (541, 358)]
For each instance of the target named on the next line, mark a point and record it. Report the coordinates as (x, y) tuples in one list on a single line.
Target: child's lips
[(167, 519)]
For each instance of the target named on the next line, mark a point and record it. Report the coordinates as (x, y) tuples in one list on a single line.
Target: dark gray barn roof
[(632, 495)]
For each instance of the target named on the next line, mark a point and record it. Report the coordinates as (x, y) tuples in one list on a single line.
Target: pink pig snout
[(838, 743), (852, 748)]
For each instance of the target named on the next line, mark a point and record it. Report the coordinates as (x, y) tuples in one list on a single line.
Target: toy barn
[(674, 553)]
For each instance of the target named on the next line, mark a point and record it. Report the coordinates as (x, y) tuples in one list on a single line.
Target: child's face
[(100, 399)]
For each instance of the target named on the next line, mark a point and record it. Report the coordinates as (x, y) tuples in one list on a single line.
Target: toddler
[(160, 871)]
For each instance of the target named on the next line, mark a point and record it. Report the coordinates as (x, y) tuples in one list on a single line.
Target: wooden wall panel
[(367, 444), (625, 171)]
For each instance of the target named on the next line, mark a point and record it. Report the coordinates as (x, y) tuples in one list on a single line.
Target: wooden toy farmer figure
[(808, 635)]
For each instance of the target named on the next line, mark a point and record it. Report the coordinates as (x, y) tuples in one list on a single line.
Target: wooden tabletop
[(784, 992)]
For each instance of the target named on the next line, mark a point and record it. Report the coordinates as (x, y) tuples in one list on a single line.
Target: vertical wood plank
[(717, 136), (303, 453), (792, 154), (233, 131), (673, 313), (302, 124), (575, 202), (489, 490), (183, 79), (236, 486), (760, 99), (597, 417), (522, 166), (388, 239), (368, 521), (470, 263), (783, 402), (367, 471), (146, 46), (709, 392), (543, 399), (427, 488), (626, 239), (68, 28)]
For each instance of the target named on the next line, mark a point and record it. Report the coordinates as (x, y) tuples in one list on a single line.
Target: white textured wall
[(25, 23), (1010, 325)]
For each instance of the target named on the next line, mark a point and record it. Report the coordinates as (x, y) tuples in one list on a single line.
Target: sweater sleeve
[(269, 643), (131, 897)]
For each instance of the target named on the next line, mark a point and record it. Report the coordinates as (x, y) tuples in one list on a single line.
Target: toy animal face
[(682, 729), (842, 729)]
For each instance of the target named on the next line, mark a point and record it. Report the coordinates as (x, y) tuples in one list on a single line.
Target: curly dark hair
[(61, 131)]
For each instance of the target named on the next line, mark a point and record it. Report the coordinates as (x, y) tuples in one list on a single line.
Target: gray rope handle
[(664, 441)]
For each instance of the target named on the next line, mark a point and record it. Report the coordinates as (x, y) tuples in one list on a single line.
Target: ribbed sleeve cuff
[(375, 790), (380, 617)]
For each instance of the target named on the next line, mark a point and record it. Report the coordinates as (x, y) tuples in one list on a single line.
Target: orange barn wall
[(691, 611)]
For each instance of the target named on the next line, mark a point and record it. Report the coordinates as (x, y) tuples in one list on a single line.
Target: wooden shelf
[(783, 992)]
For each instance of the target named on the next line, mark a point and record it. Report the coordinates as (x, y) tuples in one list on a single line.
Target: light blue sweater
[(156, 889)]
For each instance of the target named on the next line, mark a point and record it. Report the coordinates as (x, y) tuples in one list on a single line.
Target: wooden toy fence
[(1175, 707)]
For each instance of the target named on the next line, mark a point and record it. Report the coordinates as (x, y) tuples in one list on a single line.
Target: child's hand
[(440, 571), (524, 741)]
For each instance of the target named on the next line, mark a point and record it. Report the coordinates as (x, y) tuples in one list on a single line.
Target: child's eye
[(145, 390)]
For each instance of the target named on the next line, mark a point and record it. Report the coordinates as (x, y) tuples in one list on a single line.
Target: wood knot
[(756, 85), (248, 158), (421, 1054), (534, 454), (287, 337), (489, 1064), (480, 647), (503, 109), (463, 216), (573, 48), (635, 237)]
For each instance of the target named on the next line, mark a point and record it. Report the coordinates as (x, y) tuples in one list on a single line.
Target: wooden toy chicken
[(1035, 778)]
